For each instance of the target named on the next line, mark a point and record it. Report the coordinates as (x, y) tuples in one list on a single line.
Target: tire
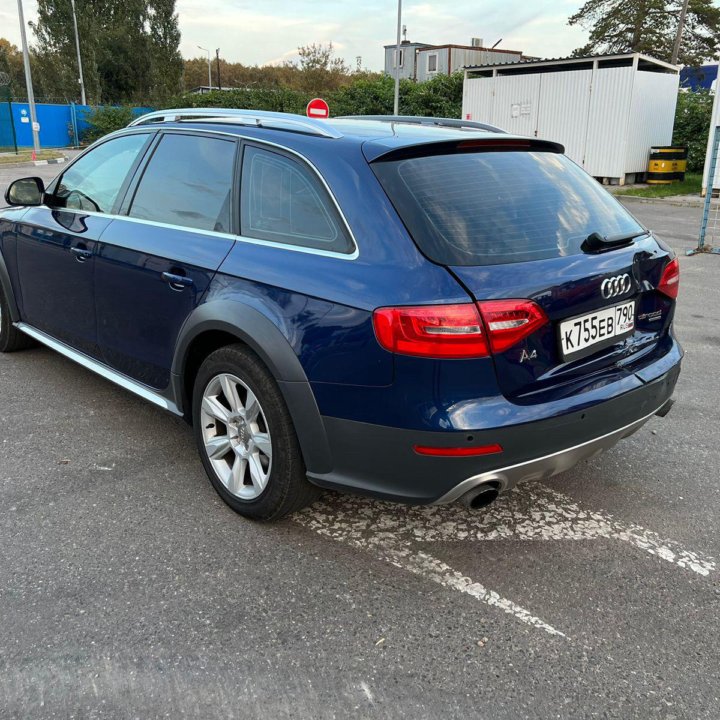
[(11, 339), (249, 449)]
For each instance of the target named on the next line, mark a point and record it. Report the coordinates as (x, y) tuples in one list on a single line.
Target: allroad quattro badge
[(616, 286)]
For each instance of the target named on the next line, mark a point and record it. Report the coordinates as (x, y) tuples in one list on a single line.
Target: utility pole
[(209, 67), (678, 36), (396, 103), (217, 56), (28, 83), (77, 47)]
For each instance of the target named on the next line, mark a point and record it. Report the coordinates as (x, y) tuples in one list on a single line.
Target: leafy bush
[(105, 119), (367, 94), (692, 122)]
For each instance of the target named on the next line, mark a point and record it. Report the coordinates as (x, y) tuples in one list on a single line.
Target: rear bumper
[(380, 461)]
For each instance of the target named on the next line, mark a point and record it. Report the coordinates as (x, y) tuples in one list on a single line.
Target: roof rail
[(420, 120), (253, 118)]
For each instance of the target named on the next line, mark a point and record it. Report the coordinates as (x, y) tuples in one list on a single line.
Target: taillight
[(433, 331), (458, 451), (670, 281), (457, 331), (510, 321)]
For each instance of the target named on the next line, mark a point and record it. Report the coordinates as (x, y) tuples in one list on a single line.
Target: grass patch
[(26, 156), (692, 185)]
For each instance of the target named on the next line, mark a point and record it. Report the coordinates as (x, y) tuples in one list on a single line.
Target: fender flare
[(8, 291), (258, 332)]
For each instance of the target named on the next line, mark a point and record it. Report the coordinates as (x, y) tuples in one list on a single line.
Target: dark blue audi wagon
[(420, 310)]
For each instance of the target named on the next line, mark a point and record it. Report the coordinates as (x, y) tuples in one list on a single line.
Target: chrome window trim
[(241, 238), (99, 368)]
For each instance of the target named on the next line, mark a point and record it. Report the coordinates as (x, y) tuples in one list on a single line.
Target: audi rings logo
[(616, 286)]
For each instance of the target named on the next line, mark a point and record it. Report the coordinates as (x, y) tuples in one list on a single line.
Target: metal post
[(396, 103), (217, 55), (708, 191), (209, 67), (679, 33), (28, 82), (77, 47)]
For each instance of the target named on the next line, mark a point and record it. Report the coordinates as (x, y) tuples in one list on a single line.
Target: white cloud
[(271, 32)]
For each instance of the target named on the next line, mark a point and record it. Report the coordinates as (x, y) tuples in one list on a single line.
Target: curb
[(33, 163), (660, 201)]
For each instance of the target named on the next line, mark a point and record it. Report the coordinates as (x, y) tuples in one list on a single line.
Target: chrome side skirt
[(97, 367), (547, 466)]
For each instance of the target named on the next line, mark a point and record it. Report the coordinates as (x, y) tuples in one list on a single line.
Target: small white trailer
[(607, 110)]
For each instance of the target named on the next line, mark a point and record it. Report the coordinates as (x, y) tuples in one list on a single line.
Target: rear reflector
[(458, 452), (433, 331), (670, 281), (510, 321), (457, 331)]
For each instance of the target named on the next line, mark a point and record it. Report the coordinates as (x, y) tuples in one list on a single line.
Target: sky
[(271, 31)]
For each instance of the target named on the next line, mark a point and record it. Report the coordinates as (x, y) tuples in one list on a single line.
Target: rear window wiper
[(597, 243)]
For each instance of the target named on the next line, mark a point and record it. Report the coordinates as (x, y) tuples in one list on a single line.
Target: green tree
[(649, 26), (129, 50), (692, 121), (11, 63)]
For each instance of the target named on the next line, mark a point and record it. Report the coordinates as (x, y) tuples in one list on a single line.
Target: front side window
[(395, 58), (188, 182), (283, 201), (432, 63), (94, 181)]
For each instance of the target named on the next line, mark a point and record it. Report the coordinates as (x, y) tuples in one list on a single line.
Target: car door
[(155, 263), (56, 242)]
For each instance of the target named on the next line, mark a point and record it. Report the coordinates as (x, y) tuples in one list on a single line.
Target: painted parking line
[(396, 534)]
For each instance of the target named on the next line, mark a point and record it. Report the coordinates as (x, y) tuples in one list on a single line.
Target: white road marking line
[(531, 512)]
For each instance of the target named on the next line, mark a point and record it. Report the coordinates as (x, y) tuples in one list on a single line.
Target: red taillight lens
[(510, 321), (433, 331), (670, 281)]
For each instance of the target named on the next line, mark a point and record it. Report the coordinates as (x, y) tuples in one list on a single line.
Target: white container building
[(608, 111), (714, 122)]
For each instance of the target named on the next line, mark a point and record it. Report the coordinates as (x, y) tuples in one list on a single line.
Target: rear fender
[(259, 333)]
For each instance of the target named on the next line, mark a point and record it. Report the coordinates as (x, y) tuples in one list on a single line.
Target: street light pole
[(209, 67), (217, 56), (396, 103), (679, 33), (28, 83), (77, 47)]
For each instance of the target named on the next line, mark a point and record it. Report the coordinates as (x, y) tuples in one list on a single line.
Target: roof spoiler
[(377, 150)]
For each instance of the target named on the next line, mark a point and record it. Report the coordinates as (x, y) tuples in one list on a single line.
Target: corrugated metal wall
[(570, 91), (654, 100), (714, 122), (607, 118), (610, 101), (515, 107)]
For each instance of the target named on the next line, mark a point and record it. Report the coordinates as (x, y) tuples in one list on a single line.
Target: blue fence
[(60, 125)]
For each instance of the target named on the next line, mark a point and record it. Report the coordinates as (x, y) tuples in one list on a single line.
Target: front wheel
[(246, 437), (11, 339)]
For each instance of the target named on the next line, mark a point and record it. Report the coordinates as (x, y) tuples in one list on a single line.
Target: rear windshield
[(487, 208)]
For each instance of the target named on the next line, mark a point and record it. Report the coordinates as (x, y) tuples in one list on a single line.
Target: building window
[(402, 58), (432, 62)]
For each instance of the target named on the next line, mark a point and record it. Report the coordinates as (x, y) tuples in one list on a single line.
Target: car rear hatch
[(515, 219)]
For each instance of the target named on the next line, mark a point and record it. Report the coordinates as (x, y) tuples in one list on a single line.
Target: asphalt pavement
[(129, 590)]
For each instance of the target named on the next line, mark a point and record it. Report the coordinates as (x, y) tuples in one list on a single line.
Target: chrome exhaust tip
[(481, 496)]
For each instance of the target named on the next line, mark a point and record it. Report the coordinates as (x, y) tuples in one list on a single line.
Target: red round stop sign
[(317, 108)]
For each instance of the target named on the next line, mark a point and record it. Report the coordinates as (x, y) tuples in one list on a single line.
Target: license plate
[(586, 334)]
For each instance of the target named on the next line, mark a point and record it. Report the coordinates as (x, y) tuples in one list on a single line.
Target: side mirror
[(26, 191)]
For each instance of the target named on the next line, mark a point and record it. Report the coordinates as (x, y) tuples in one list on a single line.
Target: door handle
[(81, 254), (177, 282)]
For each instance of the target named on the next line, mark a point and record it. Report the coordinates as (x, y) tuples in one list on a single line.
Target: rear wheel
[(246, 437), (11, 339)]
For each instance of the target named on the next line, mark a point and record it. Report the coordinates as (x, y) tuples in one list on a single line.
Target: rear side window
[(283, 201), (188, 182), (488, 208), (93, 182)]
